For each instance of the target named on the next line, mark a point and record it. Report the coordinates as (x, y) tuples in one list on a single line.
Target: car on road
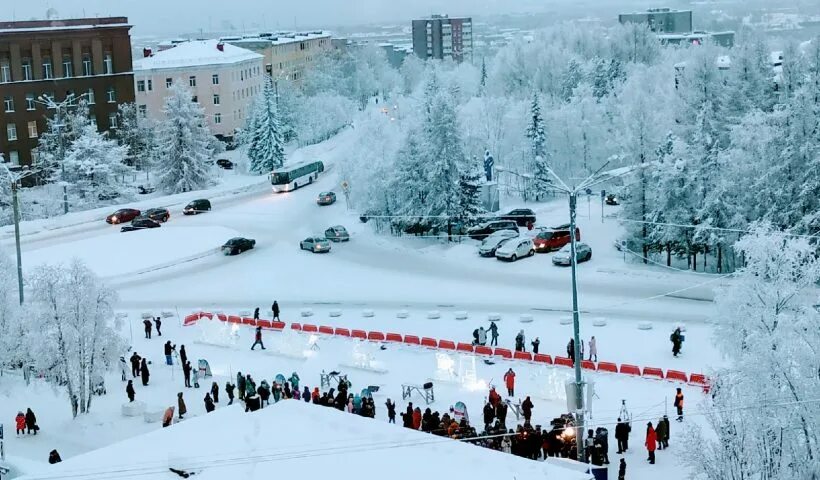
[(551, 239), (237, 245), (197, 206), (225, 164), (145, 189), (521, 216), (515, 248), (337, 233), (490, 244), (140, 223), (122, 215), (583, 253), (612, 199), (484, 230), (158, 214), (315, 244), (326, 198)]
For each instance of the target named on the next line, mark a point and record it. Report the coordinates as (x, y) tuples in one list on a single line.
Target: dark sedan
[(237, 245), (158, 214), (521, 216), (140, 224)]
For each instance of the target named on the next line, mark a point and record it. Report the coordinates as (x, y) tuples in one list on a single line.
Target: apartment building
[(223, 79), (661, 20), (442, 37), (286, 55), (64, 60)]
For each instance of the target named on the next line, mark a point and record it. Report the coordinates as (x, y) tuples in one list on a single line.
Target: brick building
[(60, 59)]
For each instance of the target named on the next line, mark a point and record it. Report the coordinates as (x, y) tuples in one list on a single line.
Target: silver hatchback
[(315, 244), (337, 233)]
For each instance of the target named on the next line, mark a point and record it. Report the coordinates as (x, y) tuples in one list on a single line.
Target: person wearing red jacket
[(494, 397), (509, 380), (20, 423), (416, 418), (651, 442)]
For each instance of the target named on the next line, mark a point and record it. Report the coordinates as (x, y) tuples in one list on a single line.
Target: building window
[(35, 155), (87, 70), (48, 72), (14, 157), (29, 101), (108, 64), (150, 85), (69, 97), (169, 82), (5, 72), (112, 121), (11, 132), (32, 129), (27, 69), (68, 71), (192, 81), (111, 95), (140, 85), (242, 75), (143, 111), (8, 103), (195, 99), (215, 79), (89, 95), (217, 118), (216, 99)]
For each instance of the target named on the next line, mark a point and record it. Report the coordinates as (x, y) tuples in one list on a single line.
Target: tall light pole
[(14, 178)]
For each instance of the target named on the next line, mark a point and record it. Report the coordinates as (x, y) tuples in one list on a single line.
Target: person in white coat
[(593, 349), (482, 336), (123, 367)]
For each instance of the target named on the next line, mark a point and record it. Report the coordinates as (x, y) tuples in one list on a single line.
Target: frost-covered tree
[(541, 181), (63, 127), (266, 149), (93, 163), (12, 349), (137, 133), (76, 339), (185, 143), (469, 201)]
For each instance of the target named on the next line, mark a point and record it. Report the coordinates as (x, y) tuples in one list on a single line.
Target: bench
[(588, 365), (276, 325), (248, 321), (483, 350), (296, 326), (265, 324), (425, 391), (429, 342), (412, 340), (234, 319)]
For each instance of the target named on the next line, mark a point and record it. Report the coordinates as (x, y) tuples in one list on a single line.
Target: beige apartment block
[(286, 55), (223, 79)]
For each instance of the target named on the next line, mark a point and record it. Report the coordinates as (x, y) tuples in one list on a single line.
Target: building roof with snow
[(291, 439), (196, 53), (278, 38)]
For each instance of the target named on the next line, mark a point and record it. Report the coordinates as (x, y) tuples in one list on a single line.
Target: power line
[(708, 227)]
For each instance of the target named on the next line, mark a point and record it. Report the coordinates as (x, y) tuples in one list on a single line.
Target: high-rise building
[(661, 20), (60, 59), (442, 37)]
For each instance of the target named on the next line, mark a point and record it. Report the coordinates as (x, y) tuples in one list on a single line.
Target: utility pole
[(15, 178)]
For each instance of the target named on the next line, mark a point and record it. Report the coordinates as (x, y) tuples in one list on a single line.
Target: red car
[(123, 215), (554, 238)]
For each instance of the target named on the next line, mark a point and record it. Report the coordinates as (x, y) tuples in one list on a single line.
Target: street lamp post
[(15, 178)]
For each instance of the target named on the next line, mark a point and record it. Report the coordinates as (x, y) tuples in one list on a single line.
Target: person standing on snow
[(677, 341), (54, 457), (229, 387), (240, 385), (526, 408), (482, 336), (256, 313), (679, 404), (493, 334), (250, 386), (158, 325), (123, 368), (31, 422), (258, 339), (622, 470), (144, 373), (275, 309), (391, 411), (509, 381), (622, 436), (135, 365), (183, 355), (186, 373), (20, 423), (294, 381), (148, 326), (209, 403), (593, 349), (181, 409), (168, 349), (651, 442), (535, 344), (215, 392), (519, 342), (129, 390), (571, 350), (660, 433), (306, 394)]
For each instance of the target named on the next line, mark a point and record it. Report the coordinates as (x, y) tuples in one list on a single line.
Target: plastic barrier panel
[(588, 365), (278, 325), (222, 317), (607, 367), (296, 326), (630, 369), (207, 314), (234, 319), (523, 356), (324, 329), (429, 342), (360, 334), (342, 332), (248, 321), (676, 375), (698, 379), (652, 372), (464, 347), (393, 337), (542, 358), (482, 350), (375, 336), (446, 345), (412, 340), (265, 324), (563, 361), (308, 328), (191, 319), (503, 353)]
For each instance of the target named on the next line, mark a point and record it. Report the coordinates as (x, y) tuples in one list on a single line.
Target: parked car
[(225, 164), (491, 243), (612, 199), (515, 248), (145, 189), (326, 198), (197, 207), (552, 239), (122, 215), (108, 195), (484, 230), (140, 224), (237, 245), (158, 214), (315, 244), (521, 216), (583, 253), (337, 233)]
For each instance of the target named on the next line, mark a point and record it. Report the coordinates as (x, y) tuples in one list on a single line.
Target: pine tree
[(483, 81), (469, 202), (443, 150), (186, 144), (266, 147), (541, 180)]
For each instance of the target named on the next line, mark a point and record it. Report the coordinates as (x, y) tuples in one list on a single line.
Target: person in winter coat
[(493, 397), (186, 373), (493, 334), (509, 381), (209, 403), (416, 418), (181, 408), (144, 373), (526, 409), (475, 337), (571, 350), (581, 349), (391, 411), (275, 309), (31, 422), (661, 432), (20, 423), (506, 444), (264, 393), (123, 368), (183, 355), (168, 350), (679, 404), (54, 457), (482, 336), (229, 388), (168, 417), (215, 392), (296, 394), (129, 390), (258, 339), (240, 385), (622, 436), (489, 415), (135, 365), (148, 327), (651, 442), (294, 381), (593, 349), (501, 413), (256, 313), (535, 344), (677, 341), (158, 325), (250, 386), (252, 403), (306, 394), (315, 395), (277, 392), (519, 342), (622, 470), (664, 439)]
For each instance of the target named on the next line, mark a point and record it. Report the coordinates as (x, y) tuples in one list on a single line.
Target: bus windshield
[(279, 178)]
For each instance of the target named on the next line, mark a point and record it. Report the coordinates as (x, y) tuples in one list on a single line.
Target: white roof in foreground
[(290, 439), (195, 53)]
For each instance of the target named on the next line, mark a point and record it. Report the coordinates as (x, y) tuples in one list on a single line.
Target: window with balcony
[(11, 132), (112, 121), (169, 82), (48, 71), (68, 70), (87, 68), (5, 71), (192, 81), (8, 104), (30, 102), (215, 79), (140, 85), (108, 64), (111, 95), (89, 96), (32, 129), (216, 99), (217, 118), (26, 64)]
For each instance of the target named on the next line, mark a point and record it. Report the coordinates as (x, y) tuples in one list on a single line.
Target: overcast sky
[(169, 16)]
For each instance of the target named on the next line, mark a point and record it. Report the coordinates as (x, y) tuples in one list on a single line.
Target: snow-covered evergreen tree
[(138, 135), (12, 349), (62, 128), (540, 184), (265, 147), (483, 81), (185, 144), (73, 336), (94, 163), (469, 202)]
